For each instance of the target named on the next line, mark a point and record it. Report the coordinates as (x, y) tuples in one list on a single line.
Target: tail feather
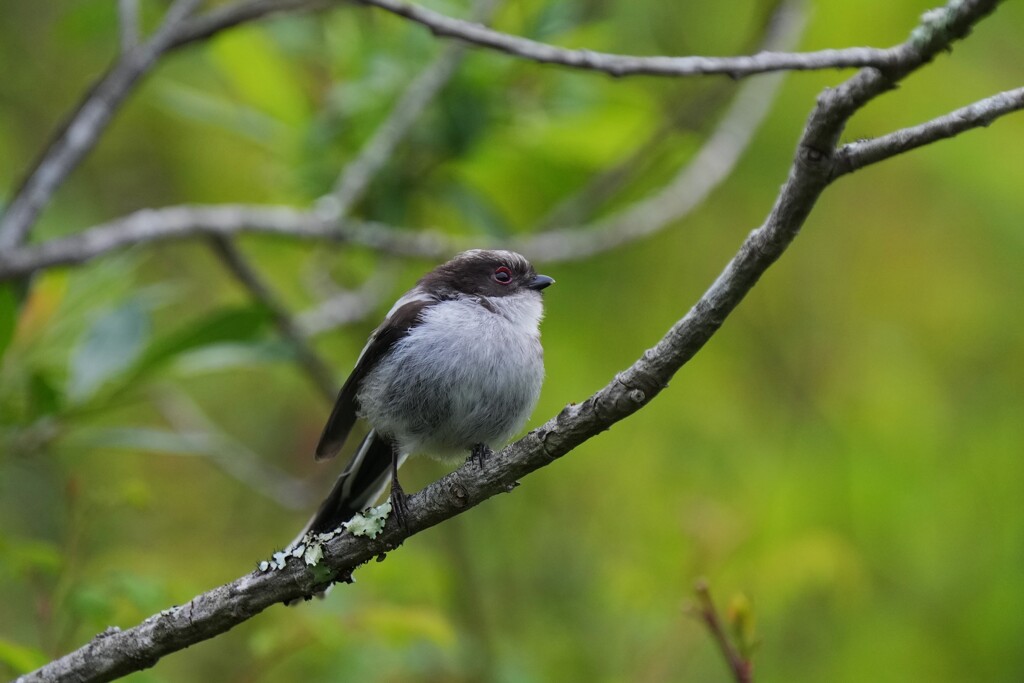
[(362, 482)]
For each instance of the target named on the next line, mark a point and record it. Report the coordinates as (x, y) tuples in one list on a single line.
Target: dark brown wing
[(404, 318)]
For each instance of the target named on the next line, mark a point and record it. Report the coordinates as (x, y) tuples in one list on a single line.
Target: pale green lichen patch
[(311, 546), (371, 522), (313, 553)]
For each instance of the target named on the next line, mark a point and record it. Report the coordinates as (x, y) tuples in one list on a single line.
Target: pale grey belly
[(443, 394)]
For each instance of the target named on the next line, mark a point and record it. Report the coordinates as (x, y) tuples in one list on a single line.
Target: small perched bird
[(455, 367)]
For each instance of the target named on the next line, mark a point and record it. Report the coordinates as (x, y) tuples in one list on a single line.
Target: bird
[(456, 367)]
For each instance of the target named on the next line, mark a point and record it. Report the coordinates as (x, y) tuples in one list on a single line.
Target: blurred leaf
[(23, 556), (260, 73), (44, 398), (142, 592), (8, 316), (553, 18), (232, 325), (228, 355), (92, 603), (110, 347), (405, 624), (21, 658), (227, 115)]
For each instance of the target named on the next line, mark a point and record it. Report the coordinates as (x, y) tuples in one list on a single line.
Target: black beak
[(539, 282)]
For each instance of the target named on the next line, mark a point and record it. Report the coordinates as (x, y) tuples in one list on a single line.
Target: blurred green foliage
[(845, 455)]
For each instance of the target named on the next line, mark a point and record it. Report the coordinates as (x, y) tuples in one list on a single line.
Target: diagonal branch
[(628, 65), (781, 31), (83, 129), (356, 177), (708, 168), (116, 653), (857, 155), (87, 122), (740, 666), (316, 369), (712, 164)]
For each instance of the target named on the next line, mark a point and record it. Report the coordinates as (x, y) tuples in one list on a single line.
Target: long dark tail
[(362, 482)]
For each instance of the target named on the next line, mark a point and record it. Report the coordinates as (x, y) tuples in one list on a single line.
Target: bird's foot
[(399, 506), (480, 453)]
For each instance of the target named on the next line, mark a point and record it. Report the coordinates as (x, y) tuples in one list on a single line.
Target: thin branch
[(712, 164), (91, 117), (857, 155), (741, 669), (691, 116), (179, 222), (356, 177), (128, 23), (83, 128), (315, 368), (627, 65), (116, 653), (704, 172)]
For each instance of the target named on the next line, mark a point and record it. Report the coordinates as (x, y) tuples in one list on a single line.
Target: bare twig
[(627, 65), (356, 177), (116, 653), (153, 225), (84, 127), (741, 668), (178, 222), (316, 369), (90, 118), (634, 222), (706, 170), (857, 155), (692, 116)]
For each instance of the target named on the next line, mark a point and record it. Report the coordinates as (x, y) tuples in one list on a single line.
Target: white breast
[(465, 375)]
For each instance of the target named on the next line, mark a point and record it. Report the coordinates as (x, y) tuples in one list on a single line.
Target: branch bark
[(630, 65), (186, 221), (116, 653), (857, 155)]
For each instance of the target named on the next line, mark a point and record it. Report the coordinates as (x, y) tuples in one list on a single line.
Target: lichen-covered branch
[(116, 653)]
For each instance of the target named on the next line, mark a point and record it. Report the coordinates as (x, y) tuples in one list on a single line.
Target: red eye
[(503, 275)]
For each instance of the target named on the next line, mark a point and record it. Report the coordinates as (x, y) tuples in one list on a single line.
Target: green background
[(844, 457)]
